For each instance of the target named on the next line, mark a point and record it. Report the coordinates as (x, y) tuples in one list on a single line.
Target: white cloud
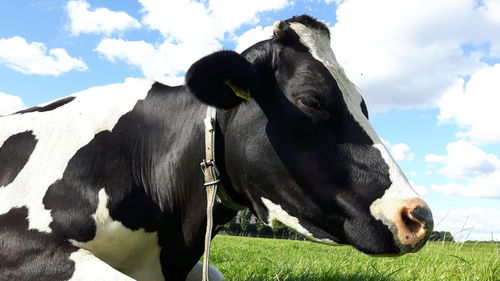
[(400, 151), (190, 30), (186, 20), (406, 54), (10, 104), (101, 20), (482, 187), (253, 36), (464, 161), (163, 61), (474, 106), (35, 58), (474, 223), (223, 11), (420, 189), (140, 53), (491, 10)]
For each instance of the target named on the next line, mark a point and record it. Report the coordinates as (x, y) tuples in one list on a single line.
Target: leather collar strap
[(212, 182)]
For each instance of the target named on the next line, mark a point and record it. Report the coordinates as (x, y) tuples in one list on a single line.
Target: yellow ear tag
[(242, 93)]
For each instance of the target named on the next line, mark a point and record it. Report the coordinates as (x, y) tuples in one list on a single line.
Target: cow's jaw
[(277, 217)]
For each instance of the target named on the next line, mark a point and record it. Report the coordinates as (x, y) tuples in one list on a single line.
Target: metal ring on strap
[(212, 181)]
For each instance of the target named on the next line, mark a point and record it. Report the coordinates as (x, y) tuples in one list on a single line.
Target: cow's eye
[(311, 102)]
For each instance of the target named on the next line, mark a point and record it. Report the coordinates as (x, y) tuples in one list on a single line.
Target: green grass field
[(243, 258)]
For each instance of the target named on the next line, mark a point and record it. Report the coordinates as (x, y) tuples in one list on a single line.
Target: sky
[(429, 71)]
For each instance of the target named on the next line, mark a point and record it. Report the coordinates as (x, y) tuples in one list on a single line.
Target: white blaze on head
[(318, 43)]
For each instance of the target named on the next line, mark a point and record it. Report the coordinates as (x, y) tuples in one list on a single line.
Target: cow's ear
[(223, 79)]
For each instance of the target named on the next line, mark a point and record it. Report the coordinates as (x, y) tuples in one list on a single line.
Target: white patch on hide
[(279, 216), (88, 267), (60, 133), (135, 253)]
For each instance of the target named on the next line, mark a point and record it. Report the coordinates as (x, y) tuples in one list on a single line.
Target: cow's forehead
[(318, 43)]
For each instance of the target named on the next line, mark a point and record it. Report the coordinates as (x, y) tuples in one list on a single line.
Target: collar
[(208, 166), (212, 183)]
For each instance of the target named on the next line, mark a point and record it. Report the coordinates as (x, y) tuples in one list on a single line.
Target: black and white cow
[(106, 184)]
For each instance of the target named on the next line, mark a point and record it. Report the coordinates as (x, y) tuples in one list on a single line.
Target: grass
[(248, 259)]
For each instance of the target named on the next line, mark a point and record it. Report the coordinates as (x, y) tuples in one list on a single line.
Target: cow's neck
[(170, 155)]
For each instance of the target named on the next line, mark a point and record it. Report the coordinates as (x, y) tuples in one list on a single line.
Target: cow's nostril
[(412, 223)]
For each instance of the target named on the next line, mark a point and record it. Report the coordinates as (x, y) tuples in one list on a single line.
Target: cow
[(105, 184)]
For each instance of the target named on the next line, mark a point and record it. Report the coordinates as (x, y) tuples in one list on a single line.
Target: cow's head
[(302, 152)]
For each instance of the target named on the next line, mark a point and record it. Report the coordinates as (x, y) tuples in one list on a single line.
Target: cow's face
[(302, 151)]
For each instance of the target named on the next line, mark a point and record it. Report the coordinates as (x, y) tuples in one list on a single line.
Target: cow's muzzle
[(414, 224), (410, 221)]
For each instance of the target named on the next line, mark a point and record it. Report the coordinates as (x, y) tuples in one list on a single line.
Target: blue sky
[(427, 69)]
